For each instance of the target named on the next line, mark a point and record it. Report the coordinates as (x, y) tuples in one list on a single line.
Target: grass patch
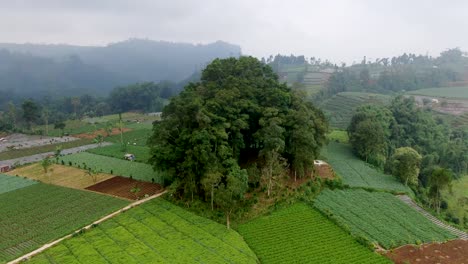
[(300, 234), (154, 232), (379, 218), (120, 167), (357, 173), (40, 213), (18, 153), (9, 183), (142, 154), (132, 138), (340, 136)]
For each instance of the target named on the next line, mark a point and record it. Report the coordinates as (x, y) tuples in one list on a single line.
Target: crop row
[(379, 217), (11, 183), (142, 154), (39, 213), (135, 170), (155, 232), (137, 137), (300, 234)]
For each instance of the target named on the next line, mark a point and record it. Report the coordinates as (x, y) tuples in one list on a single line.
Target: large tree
[(236, 114), (31, 112), (405, 164), (440, 179)]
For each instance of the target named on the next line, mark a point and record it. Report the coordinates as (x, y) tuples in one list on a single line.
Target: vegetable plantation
[(136, 170), (379, 217), (300, 234), (155, 232), (142, 154), (134, 137), (357, 173), (11, 183), (37, 214), (447, 92)]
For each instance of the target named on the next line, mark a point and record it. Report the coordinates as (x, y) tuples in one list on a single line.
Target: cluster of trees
[(402, 138), (405, 72), (238, 116)]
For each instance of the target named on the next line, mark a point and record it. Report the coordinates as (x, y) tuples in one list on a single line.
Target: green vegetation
[(142, 154), (457, 202), (300, 234), (339, 136), (11, 183), (445, 92), (137, 137), (154, 232), (340, 108), (37, 214), (357, 173), (379, 217), (136, 170), (18, 153)]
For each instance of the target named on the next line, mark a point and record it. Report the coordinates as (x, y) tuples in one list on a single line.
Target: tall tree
[(405, 165), (31, 112), (439, 180)]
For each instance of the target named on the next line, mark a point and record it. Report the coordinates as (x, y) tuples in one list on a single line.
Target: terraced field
[(154, 232), (11, 183), (379, 217), (120, 167), (300, 234), (446, 92), (39, 213), (357, 173), (142, 154), (340, 108)]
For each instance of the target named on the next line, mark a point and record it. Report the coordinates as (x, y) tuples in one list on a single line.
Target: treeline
[(145, 97), (402, 73), (406, 140)]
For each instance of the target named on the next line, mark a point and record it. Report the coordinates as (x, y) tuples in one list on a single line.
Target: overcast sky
[(338, 30)]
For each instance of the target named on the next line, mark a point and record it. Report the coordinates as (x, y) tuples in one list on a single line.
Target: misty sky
[(338, 30)]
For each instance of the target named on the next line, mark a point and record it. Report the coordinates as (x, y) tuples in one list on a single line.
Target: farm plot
[(379, 217), (446, 92), (134, 137), (154, 232), (60, 175), (136, 170), (357, 173), (34, 215), (9, 183), (142, 154), (126, 188), (300, 234)]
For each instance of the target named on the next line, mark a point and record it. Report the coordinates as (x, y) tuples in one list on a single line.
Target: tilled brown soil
[(324, 171), (452, 252), (121, 187)]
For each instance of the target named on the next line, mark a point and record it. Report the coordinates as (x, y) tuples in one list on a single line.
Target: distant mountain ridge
[(63, 68)]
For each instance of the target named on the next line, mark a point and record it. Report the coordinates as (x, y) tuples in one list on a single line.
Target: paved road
[(406, 199), (39, 157)]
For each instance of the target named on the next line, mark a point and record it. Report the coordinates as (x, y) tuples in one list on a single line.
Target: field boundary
[(407, 200), (55, 242)]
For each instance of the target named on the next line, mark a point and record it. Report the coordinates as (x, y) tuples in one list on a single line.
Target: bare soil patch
[(452, 252), (121, 187), (23, 141), (102, 132), (324, 171)]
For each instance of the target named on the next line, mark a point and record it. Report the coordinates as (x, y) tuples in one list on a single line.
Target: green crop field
[(120, 167), (154, 232), (446, 92), (357, 173), (300, 234), (142, 154), (34, 215), (340, 108), (11, 183), (379, 217), (135, 137)]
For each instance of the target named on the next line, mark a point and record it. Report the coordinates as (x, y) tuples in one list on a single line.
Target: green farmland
[(300, 234), (11, 183), (136, 137), (155, 232), (445, 92), (136, 170), (34, 215), (357, 173), (142, 154), (379, 217)]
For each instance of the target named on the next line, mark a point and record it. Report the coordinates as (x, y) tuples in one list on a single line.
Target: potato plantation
[(379, 217), (11, 183), (37, 214), (142, 154), (136, 170), (357, 173), (155, 232), (300, 234)]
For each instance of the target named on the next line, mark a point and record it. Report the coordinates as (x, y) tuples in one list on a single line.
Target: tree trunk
[(295, 178), (228, 222), (212, 198), (406, 181)]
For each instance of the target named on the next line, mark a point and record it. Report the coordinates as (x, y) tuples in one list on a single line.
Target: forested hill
[(31, 69)]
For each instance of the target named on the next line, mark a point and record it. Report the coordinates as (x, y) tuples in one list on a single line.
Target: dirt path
[(39, 157), (53, 243), (407, 200)]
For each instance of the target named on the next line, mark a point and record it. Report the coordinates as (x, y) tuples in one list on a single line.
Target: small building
[(435, 101), (129, 157), (5, 168)]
